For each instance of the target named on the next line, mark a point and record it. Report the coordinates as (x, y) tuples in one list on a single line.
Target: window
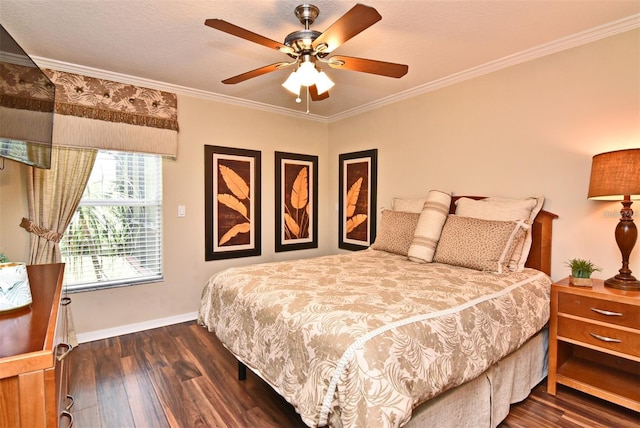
[(115, 236)]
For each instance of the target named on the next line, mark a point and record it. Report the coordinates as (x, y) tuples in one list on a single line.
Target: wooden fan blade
[(234, 30), (255, 73), (313, 92), (356, 20), (382, 68)]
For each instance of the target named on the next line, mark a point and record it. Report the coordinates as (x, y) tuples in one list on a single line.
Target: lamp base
[(628, 282)]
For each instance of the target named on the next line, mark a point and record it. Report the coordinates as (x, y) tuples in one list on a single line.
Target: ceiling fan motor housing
[(306, 14), (301, 40)]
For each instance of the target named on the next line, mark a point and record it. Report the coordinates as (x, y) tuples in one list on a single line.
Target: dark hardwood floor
[(181, 376)]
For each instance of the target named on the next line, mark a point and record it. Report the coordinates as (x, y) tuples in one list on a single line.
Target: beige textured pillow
[(395, 231), (505, 209), (410, 205), (434, 214), (474, 243)]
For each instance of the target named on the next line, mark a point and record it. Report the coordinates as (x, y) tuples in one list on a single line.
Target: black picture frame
[(296, 204), (232, 202), (357, 201)]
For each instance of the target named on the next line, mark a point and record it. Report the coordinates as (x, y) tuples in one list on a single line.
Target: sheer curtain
[(54, 195)]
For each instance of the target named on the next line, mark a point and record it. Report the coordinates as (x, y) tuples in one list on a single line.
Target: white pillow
[(434, 214), (505, 209), (411, 205)]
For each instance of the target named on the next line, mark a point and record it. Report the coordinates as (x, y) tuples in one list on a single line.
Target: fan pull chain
[(307, 100)]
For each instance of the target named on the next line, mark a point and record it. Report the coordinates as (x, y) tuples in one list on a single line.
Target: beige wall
[(529, 129), (185, 270), (525, 130)]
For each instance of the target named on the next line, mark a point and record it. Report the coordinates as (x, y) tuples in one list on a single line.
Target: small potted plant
[(581, 271)]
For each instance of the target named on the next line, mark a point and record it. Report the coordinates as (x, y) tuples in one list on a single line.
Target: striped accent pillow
[(434, 214)]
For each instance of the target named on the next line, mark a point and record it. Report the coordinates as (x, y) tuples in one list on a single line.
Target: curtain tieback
[(47, 234)]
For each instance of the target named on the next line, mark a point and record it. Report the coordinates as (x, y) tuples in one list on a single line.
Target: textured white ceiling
[(166, 42)]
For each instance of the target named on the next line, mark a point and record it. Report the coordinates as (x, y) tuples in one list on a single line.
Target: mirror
[(27, 99)]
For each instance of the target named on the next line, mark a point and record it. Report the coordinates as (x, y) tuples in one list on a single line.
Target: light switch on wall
[(182, 211)]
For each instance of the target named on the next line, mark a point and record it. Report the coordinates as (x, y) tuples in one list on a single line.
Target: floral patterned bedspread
[(359, 339)]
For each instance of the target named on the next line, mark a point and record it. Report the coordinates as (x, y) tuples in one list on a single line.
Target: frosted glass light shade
[(323, 83), (292, 84), (307, 74)]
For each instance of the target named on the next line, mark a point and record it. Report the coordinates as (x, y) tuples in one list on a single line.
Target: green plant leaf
[(581, 268)]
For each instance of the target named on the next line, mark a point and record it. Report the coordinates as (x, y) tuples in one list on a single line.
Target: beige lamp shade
[(615, 175)]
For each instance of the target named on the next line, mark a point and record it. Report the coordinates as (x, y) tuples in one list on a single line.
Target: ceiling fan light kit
[(308, 75), (309, 47)]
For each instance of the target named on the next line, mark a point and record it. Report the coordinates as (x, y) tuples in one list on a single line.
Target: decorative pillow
[(434, 214), (474, 243), (505, 209), (395, 231), (408, 205)]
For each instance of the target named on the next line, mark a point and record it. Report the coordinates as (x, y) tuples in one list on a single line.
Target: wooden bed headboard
[(540, 253)]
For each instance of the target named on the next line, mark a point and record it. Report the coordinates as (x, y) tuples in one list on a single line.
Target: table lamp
[(615, 176)]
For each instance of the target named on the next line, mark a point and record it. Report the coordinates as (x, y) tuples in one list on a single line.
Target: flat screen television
[(27, 98)]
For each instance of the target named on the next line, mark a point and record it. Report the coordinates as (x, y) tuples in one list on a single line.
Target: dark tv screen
[(27, 98)]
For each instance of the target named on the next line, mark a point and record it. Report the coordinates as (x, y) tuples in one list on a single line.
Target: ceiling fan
[(309, 47)]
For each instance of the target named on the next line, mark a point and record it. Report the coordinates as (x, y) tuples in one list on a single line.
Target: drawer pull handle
[(65, 301), (71, 401), (607, 313), (66, 353), (69, 416), (605, 338)]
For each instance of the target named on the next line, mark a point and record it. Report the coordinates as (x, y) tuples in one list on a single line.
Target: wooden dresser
[(594, 341), (33, 351)]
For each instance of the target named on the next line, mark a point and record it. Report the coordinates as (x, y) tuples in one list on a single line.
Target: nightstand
[(594, 341)]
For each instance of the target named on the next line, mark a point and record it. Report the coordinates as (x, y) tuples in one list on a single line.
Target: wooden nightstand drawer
[(620, 340), (594, 341), (601, 310)]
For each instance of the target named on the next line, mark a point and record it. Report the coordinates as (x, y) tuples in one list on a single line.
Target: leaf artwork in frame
[(357, 199), (232, 203), (296, 201)]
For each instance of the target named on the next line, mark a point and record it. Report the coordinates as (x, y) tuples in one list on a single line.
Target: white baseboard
[(132, 328)]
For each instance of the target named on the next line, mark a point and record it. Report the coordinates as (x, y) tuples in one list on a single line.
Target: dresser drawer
[(623, 341), (600, 310)]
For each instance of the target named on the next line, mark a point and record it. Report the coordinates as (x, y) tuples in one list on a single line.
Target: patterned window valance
[(24, 88), (109, 115)]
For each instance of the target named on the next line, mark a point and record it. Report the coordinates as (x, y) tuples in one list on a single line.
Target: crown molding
[(616, 27), (169, 87), (587, 36)]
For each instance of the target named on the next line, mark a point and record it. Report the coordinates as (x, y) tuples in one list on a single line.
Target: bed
[(381, 338)]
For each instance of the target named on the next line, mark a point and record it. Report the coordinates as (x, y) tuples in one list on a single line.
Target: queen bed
[(414, 331)]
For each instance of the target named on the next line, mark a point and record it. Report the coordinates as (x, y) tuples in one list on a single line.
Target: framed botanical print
[(296, 204), (357, 199), (232, 202)]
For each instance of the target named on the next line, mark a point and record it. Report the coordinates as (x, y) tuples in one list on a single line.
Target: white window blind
[(115, 236)]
